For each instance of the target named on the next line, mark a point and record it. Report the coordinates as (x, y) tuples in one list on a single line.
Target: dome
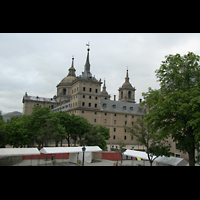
[(127, 85), (68, 79)]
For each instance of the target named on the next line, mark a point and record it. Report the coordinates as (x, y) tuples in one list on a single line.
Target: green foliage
[(174, 110), (2, 131), (96, 136), (152, 140)]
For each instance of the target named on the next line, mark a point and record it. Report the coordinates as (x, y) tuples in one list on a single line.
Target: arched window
[(121, 94), (129, 94), (64, 91)]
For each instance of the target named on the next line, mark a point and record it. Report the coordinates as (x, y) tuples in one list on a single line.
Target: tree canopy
[(43, 126), (174, 109)]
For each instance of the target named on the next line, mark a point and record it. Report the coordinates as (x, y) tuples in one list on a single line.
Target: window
[(96, 90), (115, 121), (124, 137), (132, 122), (131, 137), (105, 113), (132, 116), (131, 108), (124, 107), (95, 120), (83, 103), (105, 120), (95, 98), (89, 104), (82, 111), (113, 137), (114, 129), (95, 113), (64, 91), (177, 155), (95, 105), (90, 90), (90, 97), (125, 122), (104, 105), (83, 96), (83, 88), (129, 94), (114, 106), (121, 94), (115, 115), (125, 130), (125, 115)]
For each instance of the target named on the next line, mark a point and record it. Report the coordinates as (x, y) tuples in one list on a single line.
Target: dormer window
[(124, 107), (114, 106), (104, 105)]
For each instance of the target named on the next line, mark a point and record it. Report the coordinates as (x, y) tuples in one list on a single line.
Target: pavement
[(65, 162)]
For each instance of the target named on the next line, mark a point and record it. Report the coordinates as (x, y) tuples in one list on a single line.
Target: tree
[(154, 143), (174, 109), (121, 149), (2, 131), (39, 123), (96, 136), (16, 132)]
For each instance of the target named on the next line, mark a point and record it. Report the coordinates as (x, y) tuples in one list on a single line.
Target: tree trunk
[(68, 142), (192, 157)]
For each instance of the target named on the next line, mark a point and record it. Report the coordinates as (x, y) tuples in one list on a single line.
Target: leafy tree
[(154, 143), (2, 131), (64, 119), (96, 136), (17, 133), (174, 109)]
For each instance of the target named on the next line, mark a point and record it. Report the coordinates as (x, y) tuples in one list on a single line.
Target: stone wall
[(10, 160)]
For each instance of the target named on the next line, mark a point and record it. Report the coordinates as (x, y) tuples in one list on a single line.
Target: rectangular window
[(89, 104), (90, 89), (96, 98), (114, 129), (90, 97), (83, 103), (105, 120), (96, 91), (82, 111), (95, 120), (114, 137), (125, 130), (95, 105), (125, 122), (115, 115), (114, 121), (132, 116), (105, 113), (124, 137), (83, 96), (95, 113), (83, 88), (131, 137), (125, 115)]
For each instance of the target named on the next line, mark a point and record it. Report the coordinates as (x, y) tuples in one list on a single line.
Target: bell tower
[(127, 91)]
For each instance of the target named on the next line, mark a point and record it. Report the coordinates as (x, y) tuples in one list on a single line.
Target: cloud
[(36, 63)]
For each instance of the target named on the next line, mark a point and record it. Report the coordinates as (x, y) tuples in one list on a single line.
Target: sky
[(36, 62)]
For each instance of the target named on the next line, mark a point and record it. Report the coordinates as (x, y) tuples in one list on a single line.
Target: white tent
[(18, 151), (171, 161), (163, 160), (137, 154), (74, 152)]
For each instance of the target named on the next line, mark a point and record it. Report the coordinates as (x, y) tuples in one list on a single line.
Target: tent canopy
[(18, 151), (137, 154), (161, 159), (171, 161), (52, 150)]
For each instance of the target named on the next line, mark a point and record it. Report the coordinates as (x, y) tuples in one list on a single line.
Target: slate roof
[(37, 98)]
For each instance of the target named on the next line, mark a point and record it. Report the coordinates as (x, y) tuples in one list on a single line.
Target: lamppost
[(83, 149)]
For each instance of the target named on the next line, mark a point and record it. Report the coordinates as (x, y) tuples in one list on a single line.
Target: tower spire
[(87, 63), (72, 69)]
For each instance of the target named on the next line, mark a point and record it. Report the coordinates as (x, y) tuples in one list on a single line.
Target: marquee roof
[(137, 154), (52, 150), (18, 151)]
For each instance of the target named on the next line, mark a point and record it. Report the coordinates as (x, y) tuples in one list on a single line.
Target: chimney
[(140, 100), (114, 97)]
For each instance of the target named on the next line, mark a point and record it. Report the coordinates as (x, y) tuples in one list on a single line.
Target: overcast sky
[(36, 62)]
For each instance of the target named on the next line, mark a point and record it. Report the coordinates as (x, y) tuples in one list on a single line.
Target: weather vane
[(88, 45)]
